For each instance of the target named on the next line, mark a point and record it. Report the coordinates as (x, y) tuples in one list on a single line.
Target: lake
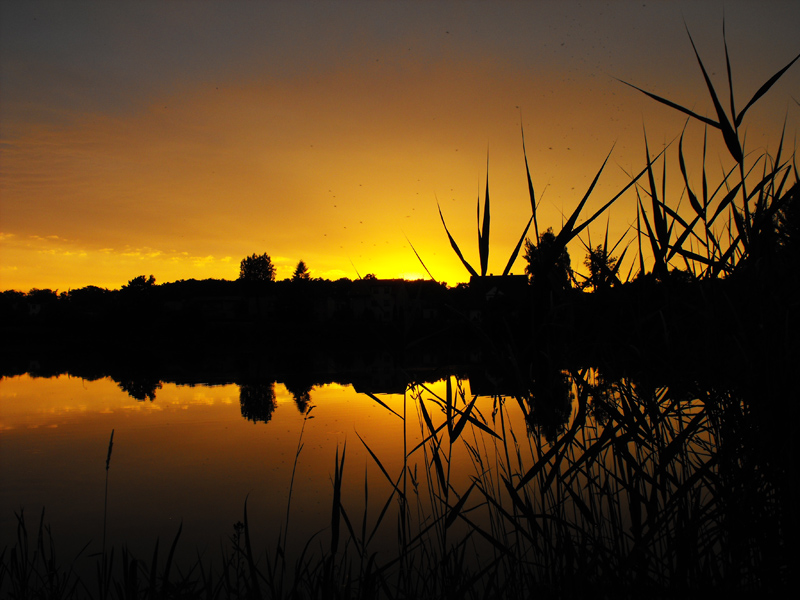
[(615, 477), (189, 455)]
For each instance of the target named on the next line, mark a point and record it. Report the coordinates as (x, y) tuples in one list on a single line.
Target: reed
[(647, 490), (751, 193)]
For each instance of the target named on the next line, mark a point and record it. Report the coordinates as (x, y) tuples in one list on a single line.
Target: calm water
[(188, 456), (685, 484)]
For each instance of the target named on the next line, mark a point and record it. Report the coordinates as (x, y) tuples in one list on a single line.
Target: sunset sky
[(175, 138)]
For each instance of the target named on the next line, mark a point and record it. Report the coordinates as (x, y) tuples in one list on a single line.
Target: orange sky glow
[(174, 139)]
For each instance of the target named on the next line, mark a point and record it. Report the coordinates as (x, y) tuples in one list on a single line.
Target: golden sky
[(175, 138)]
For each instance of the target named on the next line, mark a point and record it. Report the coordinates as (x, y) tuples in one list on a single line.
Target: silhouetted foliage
[(140, 283), (549, 403), (257, 267), (602, 269), (257, 401), (301, 392), (140, 388), (42, 296), (789, 222), (548, 267), (301, 272)]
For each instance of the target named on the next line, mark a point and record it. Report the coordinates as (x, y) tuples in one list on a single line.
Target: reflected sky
[(188, 456), (157, 138)]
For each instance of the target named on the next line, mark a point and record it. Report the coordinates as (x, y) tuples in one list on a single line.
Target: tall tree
[(301, 272), (257, 267), (548, 267), (602, 268), (140, 283)]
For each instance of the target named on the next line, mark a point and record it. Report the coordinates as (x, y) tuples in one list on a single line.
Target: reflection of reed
[(642, 492), (637, 490)]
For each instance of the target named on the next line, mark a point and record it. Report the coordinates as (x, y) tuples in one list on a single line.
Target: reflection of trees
[(301, 392), (550, 403), (141, 388), (257, 401)]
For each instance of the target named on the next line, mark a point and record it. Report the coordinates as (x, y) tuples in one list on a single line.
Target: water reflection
[(582, 477), (257, 401), (300, 390), (140, 388)]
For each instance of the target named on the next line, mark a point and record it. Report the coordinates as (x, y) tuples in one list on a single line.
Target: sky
[(175, 138)]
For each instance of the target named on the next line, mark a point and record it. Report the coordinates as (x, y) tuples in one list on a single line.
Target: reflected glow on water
[(187, 456)]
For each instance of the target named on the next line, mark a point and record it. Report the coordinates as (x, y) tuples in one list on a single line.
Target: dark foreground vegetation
[(658, 457)]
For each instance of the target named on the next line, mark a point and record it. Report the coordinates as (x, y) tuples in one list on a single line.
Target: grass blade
[(455, 511), (483, 236), (682, 163), (530, 187), (512, 259), (382, 403), (255, 591), (673, 105), (763, 90), (455, 246), (419, 258), (728, 132)]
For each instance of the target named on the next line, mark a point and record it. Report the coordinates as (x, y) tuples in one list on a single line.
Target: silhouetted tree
[(141, 388), (257, 401), (301, 272), (548, 265), (602, 269), (301, 392), (549, 403), (257, 267), (140, 283)]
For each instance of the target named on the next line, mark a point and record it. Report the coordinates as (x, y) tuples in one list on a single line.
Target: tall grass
[(753, 190), (644, 490)]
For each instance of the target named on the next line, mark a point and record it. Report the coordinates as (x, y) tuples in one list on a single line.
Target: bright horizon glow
[(329, 133)]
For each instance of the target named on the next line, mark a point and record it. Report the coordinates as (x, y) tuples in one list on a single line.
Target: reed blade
[(513, 258), (382, 403), (455, 246), (436, 458), (602, 209), (170, 556), (730, 74), (455, 511), (682, 238), (660, 264), (639, 237), (764, 89), (530, 187), (419, 258), (682, 163), (251, 562), (671, 104), (459, 427), (483, 238), (659, 221), (336, 505), (725, 202), (567, 231), (724, 125), (380, 464)]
